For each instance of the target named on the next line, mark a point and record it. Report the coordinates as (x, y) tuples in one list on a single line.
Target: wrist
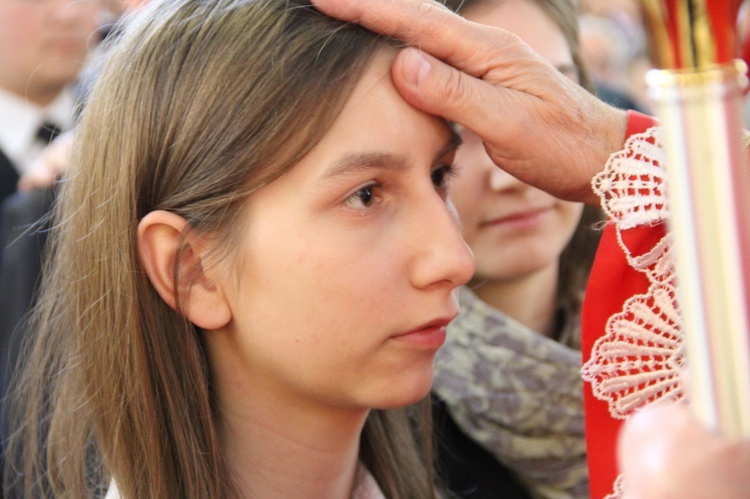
[(611, 128)]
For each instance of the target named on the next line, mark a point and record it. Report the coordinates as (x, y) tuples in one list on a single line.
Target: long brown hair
[(199, 103)]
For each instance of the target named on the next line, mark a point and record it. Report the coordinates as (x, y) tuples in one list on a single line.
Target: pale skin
[(336, 299), (472, 75), (516, 231)]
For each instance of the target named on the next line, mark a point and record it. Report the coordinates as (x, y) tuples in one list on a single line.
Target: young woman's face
[(513, 228), (345, 278)]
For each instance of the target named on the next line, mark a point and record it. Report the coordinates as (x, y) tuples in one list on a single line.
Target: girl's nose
[(442, 255)]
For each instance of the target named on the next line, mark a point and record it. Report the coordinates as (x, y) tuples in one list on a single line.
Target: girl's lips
[(429, 336)]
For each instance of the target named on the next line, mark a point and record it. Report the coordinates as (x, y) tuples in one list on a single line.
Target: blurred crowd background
[(615, 50)]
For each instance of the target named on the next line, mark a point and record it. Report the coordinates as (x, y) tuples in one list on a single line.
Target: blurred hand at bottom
[(666, 454)]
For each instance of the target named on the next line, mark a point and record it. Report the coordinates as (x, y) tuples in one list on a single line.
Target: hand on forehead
[(425, 24), (490, 81)]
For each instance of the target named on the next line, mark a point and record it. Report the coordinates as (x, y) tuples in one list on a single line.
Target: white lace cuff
[(632, 185)]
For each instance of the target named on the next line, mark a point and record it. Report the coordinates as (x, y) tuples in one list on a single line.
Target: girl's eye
[(363, 198), (441, 176)]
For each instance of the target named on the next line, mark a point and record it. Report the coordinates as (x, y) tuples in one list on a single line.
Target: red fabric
[(611, 283), (723, 17), (745, 48)]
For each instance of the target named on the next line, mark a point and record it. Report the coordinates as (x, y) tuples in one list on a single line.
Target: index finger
[(426, 24)]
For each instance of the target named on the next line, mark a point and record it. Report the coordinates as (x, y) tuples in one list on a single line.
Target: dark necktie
[(47, 132)]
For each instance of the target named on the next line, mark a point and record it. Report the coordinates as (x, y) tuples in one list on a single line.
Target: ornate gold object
[(691, 33), (698, 91)]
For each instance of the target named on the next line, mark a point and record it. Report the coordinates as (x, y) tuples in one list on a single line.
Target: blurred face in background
[(512, 228), (44, 44)]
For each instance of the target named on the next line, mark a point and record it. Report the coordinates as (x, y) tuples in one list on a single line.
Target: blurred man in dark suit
[(44, 45)]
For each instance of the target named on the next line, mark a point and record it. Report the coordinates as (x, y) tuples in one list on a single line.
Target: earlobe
[(172, 259)]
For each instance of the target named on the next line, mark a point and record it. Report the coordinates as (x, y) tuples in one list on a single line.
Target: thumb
[(500, 114), (437, 88), (515, 102)]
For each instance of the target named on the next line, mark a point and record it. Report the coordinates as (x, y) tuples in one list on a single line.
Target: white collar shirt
[(20, 120)]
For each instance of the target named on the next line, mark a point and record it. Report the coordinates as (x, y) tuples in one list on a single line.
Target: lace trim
[(631, 187), (637, 360), (619, 489)]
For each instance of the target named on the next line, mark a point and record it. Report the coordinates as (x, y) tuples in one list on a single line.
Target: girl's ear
[(163, 240)]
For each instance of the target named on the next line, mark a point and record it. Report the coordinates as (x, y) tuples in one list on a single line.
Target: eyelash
[(440, 177), (447, 172)]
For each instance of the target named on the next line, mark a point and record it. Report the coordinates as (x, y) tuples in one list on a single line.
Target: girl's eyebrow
[(358, 162)]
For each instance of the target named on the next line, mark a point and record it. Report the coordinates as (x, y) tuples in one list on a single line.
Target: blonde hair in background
[(199, 103)]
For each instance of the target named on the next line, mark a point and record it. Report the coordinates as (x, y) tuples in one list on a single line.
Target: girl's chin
[(401, 397)]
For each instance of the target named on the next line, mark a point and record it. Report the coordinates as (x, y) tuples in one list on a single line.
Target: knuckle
[(454, 91)]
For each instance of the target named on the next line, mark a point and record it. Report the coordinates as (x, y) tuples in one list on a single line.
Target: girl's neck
[(279, 448), (530, 299)]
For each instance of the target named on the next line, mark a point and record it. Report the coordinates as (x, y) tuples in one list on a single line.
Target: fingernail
[(416, 67)]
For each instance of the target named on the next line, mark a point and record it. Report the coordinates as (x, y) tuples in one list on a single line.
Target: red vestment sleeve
[(611, 283)]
